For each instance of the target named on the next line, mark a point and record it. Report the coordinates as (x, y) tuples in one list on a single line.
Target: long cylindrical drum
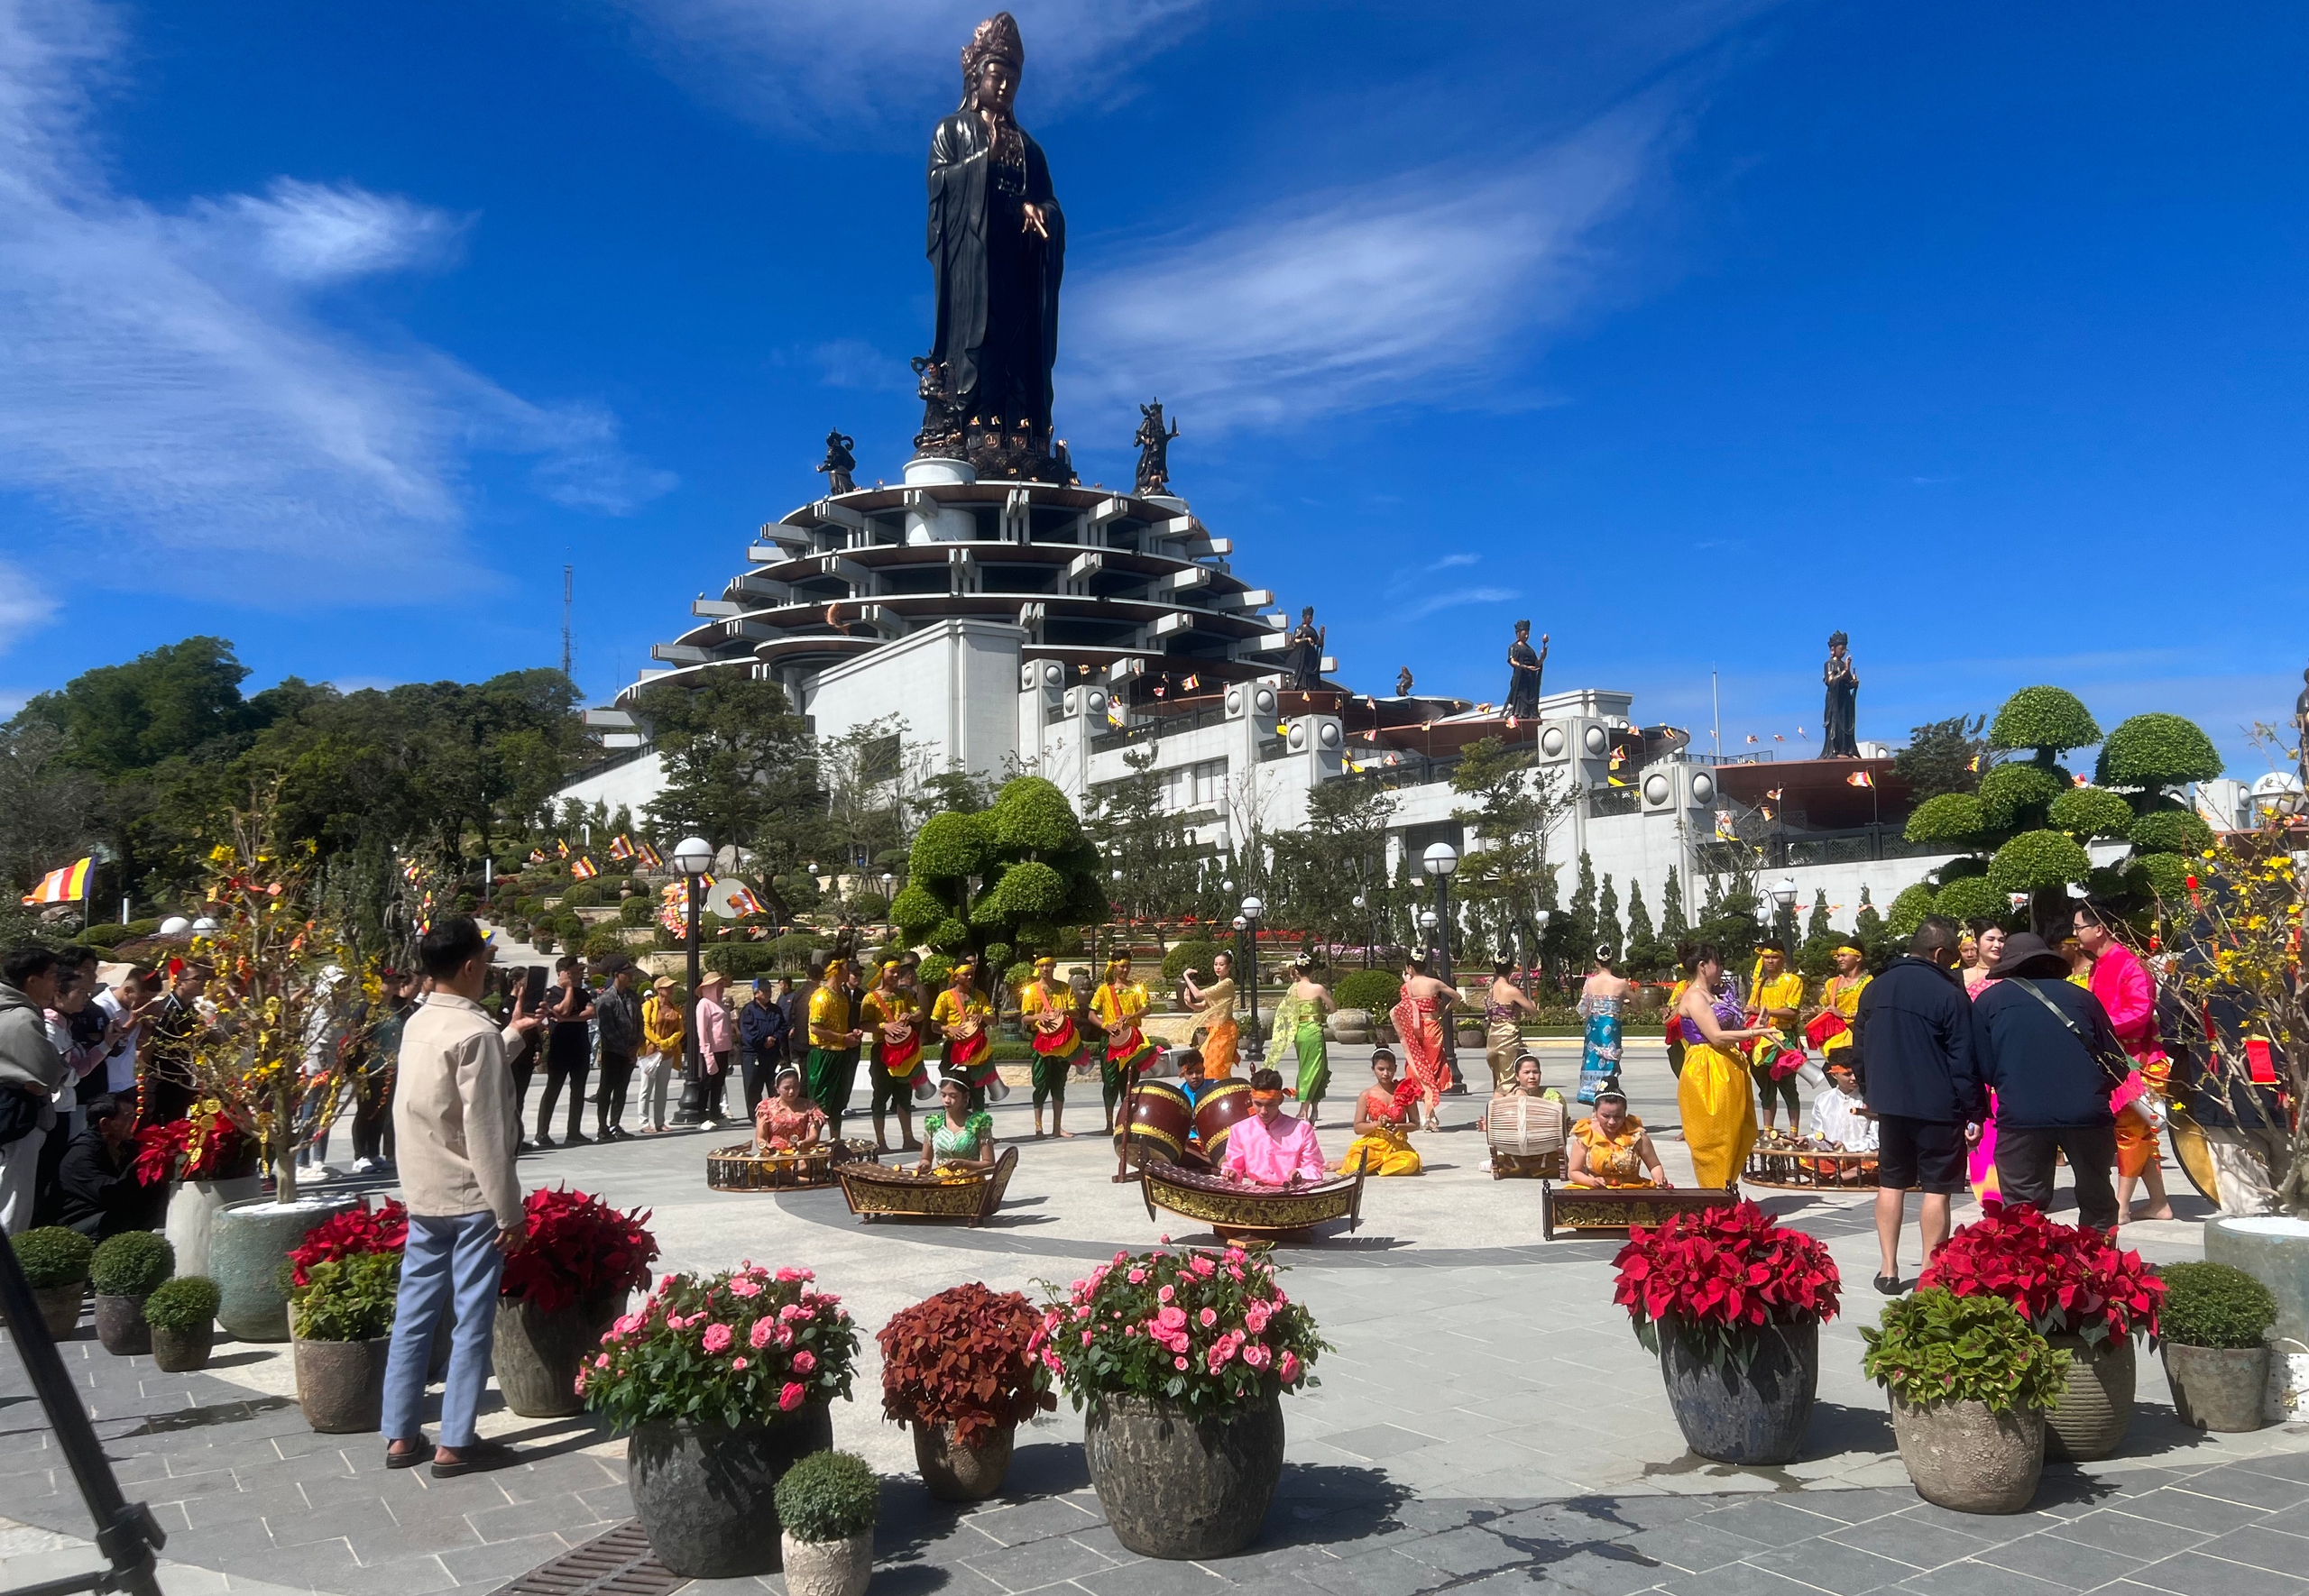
[(1224, 1105), (1160, 1119)]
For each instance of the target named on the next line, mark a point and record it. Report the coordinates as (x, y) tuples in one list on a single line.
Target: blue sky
[(1690, 330)]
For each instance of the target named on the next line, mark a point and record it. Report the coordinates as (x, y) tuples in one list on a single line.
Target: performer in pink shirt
[(2129, 992), (1272, 1148)]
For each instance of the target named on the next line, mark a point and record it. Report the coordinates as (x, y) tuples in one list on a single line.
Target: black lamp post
[(1370, 932), (1253, 907), (692, 855)]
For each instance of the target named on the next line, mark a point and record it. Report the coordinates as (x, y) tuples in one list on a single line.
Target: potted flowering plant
[(342, 1320), (562, 1287), (722, 1382), (1732, 1301), (961, 1369), (1181, 1359), (2078, 1291), (213, 1163), (1970, 1383)]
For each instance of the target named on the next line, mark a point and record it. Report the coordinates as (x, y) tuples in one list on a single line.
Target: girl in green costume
[(1308, 1001)]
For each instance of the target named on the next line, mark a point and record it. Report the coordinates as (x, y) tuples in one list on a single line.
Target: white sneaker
[(366, 1166), (323, 1172)]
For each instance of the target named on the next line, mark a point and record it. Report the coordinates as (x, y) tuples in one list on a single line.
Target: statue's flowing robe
[(995, 281)]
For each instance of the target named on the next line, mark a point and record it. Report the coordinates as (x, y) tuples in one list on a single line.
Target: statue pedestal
[(1170, 501), (933, 470)]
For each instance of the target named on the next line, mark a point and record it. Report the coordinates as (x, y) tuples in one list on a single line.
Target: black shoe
[(576, 1139), (478, 1458), (1889, 1285), (542, 1144)]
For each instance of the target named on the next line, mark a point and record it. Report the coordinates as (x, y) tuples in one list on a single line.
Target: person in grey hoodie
[(30, 1072)]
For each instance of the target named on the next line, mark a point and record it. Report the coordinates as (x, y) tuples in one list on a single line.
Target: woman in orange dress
[(1217, 1000), (1420, 1015)]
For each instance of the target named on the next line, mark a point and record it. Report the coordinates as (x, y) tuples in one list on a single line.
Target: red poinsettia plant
[(578, 1248), (2066, 1280), (1720, 1276), (207, 1146), (344, 1235), (964, 1358)]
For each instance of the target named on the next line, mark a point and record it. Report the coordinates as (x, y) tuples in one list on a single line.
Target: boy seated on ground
[(1611, 1148), (1839, 1116)]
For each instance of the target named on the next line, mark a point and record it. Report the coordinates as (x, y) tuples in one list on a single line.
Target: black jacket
[(97, 1193), (618, 1016), (1919, 1055), (2044, 1075), (761, 1028)]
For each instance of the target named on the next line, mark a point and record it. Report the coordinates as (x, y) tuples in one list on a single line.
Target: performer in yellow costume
[(1776, 1002), (833, 1046), (1118, 1003), (1612, 1148), (1713, 1094), (1382, 1144), (887, 1015), (1047, 1005), (1216, 1002), (966, 1022), (1840, 997)]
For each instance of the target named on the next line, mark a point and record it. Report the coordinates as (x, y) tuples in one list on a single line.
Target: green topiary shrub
[(348, 1299), (1017, 975), (54, 1256), (131, 1264), (584, 895), (1971, 897), (2164, 875), (917, 910), (604, 939), (1936, 1346), (2171, 830), (105, 936), (2214, 1305), (2087, 813), (1028, 891), (949, 847), (829, 1496), (1952, 817), (2046, 718), (1193, 954), (1376, 990), (997, 956), (2155, 751), (636, 912), (185, 1303), (949, 936), (1909, 910), (2036, 860), (2019, 793), (937, 969), (742, 961), (1030, 815)]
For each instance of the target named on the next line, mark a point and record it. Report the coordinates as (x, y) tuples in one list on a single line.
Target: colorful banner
[(67, 885)]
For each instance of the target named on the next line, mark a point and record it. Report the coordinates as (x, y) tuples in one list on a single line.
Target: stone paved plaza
[(1485, 1416)]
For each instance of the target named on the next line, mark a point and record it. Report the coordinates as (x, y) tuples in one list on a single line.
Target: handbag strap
[(2116, 1078)]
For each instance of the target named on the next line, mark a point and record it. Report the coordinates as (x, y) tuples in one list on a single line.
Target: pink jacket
[(714, 1034), (1259, 1155), (2129, 992)]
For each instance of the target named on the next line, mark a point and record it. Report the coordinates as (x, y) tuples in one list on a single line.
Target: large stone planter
[(2095, 1407), (2218, 1387), (60, 1307), (1759, 1415), (1178, 1487), (1961, 1457), (706, 1494), (828, 1568), (536, 1355), (2275, 1250), (247, 1243), (341, 1384), (121, 1326), (180, 1351), (954, 1472), (192, 1216)]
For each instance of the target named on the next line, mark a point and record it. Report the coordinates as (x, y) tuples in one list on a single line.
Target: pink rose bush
[(735, 1348), (1209, 1330)]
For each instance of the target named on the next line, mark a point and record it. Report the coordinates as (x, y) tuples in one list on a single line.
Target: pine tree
[(1818, 958), (1673, 927), (1583, 906), (1644, 953), (1607, 919), (1868, 929)]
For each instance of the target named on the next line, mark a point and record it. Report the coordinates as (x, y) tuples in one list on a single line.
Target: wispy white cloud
[(1457, 598), (169, 376), (853, 362), (1390, 292), (1448, 561), (24, 607), (863, 66)]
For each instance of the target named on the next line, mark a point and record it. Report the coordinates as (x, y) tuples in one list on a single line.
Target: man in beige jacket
[(456, 1130)]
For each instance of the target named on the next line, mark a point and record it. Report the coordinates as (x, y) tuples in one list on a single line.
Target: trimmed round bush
[(53, 1256), (583, 894), (918, 909), (1019, 975), (1909, 910), (1193, 954), (2171, 830), (996, 957), (937, 969), (636, 912), (1029, 891), (1972, 897), (185, 1303), (131, 1264), (2019, 791), (1952, 817), (1030, 815), (2043, 718), (2087, 813), (2155, 751), (1957, 869), (2036, 859), (949, 847), (2165, 874), (603, 940), (1369, 989), (2214, 1305), (829, 1496)]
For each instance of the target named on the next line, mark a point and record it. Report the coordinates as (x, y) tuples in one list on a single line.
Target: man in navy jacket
[(2043, 1042), (1920, 1076)]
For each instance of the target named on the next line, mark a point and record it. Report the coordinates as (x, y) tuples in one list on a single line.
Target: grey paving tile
[(1833, 1565), (1611, 1569), (2248, 1488), (2285, 1465), (1771, 1520), (1030, 1521), (492, 1564), (2262, 1548), (1148, 1577), (2062, 1562), (1036, 1564), (1976, 1579), (2293, 1520), (400, 1576), (1463, 1551), (1379, 1440), (1690, 1548), (2192, 1573), (382, 1538), (1381, 1573), (1739, 1579), (175, 1487), (517, 1520), (1858, 1506), (2112, 1529), (1909, 1540), (2208, 1514)]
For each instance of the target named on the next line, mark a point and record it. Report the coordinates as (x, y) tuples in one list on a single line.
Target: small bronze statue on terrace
[(840, 462), (1153, 450)]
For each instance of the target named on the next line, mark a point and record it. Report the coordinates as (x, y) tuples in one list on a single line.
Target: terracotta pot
[(1748, 1416), (2095, 1407), (958, 1473), (1179, 1487), (1961, 1457), (120, 1325), (828, 1568), (2218, 1388), (341, 1384), (59, 1308), (179, 1352), (707, 1494)]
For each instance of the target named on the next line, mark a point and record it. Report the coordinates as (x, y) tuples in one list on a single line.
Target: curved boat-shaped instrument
[(1262, 1213), (873, 1190)]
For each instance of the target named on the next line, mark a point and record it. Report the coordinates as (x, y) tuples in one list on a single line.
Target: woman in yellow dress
[(1216, 1002), (1712, 1092), (1612, 1149), (1382, 1144)]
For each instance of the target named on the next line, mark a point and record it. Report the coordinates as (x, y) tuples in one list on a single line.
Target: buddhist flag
[(584, 869), (1859, 778), (537, 856), (1191, 683), (1114, 715), (563, 844), (648, 856), (621, 848), (1751, 736), (1725, 829), (742, 901), (67, 885)]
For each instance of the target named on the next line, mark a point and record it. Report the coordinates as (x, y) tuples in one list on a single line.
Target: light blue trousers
[(451, 1259)]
